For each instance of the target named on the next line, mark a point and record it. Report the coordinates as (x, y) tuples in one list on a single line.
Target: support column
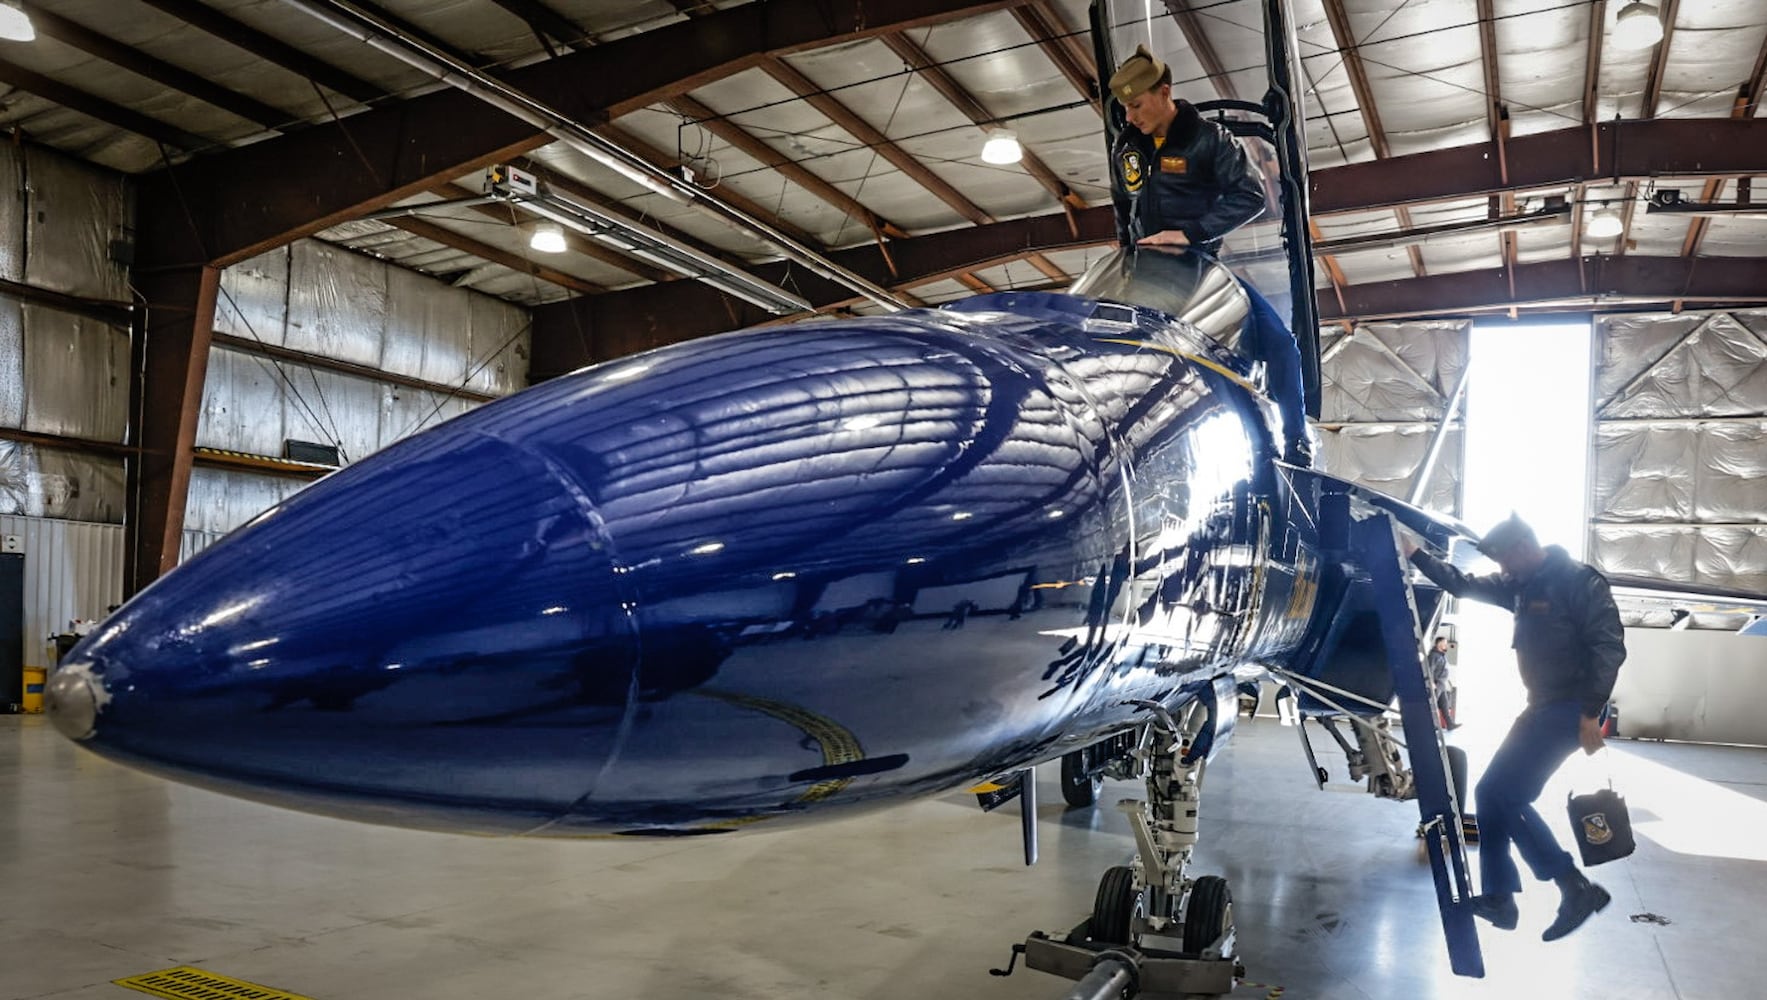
[(170, 361)]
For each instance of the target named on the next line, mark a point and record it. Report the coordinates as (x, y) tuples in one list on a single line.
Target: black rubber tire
[(1080, 784), (1208, 914), (1113, 910)]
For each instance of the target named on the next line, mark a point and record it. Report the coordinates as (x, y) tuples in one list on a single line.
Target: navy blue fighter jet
[(786, 574)]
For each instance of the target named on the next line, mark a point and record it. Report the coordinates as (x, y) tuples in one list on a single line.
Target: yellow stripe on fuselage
[(1237, 378)]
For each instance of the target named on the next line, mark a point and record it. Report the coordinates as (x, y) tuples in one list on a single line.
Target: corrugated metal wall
[(73, 569), (61, 373), (321, 300), (1383, 394), (1678, 480)]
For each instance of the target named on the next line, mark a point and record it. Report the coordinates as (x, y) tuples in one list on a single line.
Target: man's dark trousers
[(1539, 741), (1266, 338)]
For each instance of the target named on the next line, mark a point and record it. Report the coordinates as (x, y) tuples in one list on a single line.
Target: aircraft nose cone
[(72, 702), (439, 642)]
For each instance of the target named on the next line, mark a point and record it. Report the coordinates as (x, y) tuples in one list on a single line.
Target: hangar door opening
[(1527, 451)]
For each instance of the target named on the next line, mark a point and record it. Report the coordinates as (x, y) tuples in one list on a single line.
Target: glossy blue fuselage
[(762, 575)]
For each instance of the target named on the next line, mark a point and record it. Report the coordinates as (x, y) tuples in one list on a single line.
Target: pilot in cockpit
[(1181, 181)]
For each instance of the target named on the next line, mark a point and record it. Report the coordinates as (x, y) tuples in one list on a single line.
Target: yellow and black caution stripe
[(839, 745), (250, 461), (1275, 991), (186, 982)]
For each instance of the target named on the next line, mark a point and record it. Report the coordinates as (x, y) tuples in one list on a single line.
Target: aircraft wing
[(1668, 604)]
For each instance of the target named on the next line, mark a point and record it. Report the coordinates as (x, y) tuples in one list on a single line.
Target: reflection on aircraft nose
[(403, 632)]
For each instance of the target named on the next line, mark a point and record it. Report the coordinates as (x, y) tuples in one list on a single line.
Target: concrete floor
[(106, 873)]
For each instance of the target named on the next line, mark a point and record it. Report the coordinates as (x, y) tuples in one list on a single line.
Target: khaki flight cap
[(1139, 73)]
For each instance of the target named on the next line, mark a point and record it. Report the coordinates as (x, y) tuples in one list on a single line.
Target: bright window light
[(1526, 450), (15, 24), (1002, 148), (1527, 437), (1639, 26)]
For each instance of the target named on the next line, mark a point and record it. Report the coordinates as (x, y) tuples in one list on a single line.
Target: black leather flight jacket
[(1200, 182)]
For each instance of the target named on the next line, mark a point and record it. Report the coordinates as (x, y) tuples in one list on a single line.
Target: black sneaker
[(1498, 908), (1299, 453), (1580, 902)]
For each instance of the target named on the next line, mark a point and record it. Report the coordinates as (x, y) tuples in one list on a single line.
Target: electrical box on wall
[(12, 543)]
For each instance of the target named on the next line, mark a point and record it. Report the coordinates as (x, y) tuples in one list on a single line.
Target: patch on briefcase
[(1596, 830)]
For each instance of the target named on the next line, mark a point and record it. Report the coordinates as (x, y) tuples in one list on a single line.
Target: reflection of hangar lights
[(707, 548)]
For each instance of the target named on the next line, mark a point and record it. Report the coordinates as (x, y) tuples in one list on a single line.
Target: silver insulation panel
[(1384, 389), (60, 373), (51, 482), (321, 300), (1679, 474)]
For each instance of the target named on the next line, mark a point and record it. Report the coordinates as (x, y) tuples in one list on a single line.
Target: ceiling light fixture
[(548, 238), (15, 24), (1002, 148), (1639, 26), (1605, 224)]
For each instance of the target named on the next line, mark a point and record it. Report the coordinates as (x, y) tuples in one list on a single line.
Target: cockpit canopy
[(1186, 285)]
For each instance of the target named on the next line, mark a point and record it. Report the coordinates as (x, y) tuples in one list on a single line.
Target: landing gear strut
[(1153, 927)]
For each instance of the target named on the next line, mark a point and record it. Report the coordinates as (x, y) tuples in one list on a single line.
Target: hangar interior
[(251, 242)]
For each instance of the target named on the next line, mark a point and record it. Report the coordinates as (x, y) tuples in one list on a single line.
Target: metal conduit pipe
[(372, 31)]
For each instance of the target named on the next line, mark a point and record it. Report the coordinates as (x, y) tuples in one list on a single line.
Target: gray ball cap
[(1139, 73), (1505, 535)]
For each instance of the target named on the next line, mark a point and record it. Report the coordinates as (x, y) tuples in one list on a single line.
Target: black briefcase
[(1602, 828)]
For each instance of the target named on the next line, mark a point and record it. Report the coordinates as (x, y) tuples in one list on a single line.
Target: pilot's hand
[(1166, 238), (1589, 735), (1406, 546)]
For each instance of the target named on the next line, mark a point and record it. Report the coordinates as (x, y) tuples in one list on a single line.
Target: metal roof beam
[(1339, 20), (92, 106), (269, 49), (546, 21), (1592, 59), (868, 134), (1198, 40), (338, 171), (248, 345), (128, 57), (1735, 280), (1748, 97), (1047, 30), (496, 255), (668, 162), (513, 215), (1659, 64), (743, 140), (972, 109), (1664, 147)]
